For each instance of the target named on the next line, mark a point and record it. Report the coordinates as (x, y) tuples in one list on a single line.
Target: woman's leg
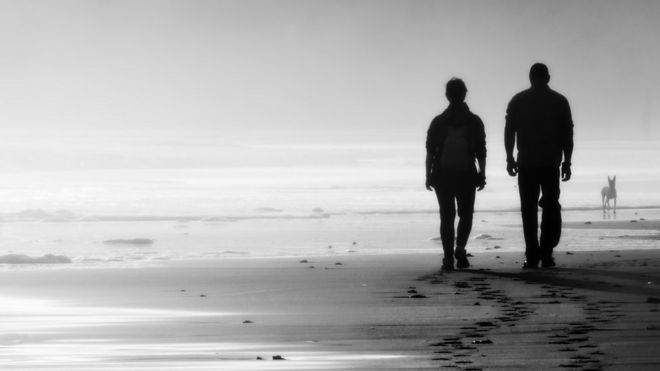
[(465, 202), (447, 216)]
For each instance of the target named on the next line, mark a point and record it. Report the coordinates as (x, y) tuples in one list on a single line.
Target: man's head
[(455, 90), (539, 75)]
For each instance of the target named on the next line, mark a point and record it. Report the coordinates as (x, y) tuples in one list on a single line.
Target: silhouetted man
[(539, 120), (454, 140)]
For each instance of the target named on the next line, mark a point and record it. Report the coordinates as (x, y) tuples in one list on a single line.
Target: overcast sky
[(317, 70)]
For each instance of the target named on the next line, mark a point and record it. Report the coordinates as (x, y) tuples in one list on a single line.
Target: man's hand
[(428, 185), (566, 172), (481, 181), (512, 167)]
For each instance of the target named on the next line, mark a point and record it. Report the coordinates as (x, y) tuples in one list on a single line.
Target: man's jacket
[(540, 118)]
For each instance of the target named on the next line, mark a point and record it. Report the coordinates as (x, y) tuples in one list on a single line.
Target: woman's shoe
[(531, 264)]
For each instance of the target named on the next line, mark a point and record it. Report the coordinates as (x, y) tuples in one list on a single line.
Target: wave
[(38, 215), (237, 253), (268, 210), (24, 259), (491, 210), (57, 216), (263, 217), (129, 241)]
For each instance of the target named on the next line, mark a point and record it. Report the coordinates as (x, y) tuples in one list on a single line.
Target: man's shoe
[(546, 258), (462, 261), (548, 262), (447, 264), (531, 264)]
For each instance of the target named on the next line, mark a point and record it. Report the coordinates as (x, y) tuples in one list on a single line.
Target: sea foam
[(24, 259), (129, 241)]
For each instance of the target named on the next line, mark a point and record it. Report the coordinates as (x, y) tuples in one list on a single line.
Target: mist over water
[(163, 179), (195, 199)]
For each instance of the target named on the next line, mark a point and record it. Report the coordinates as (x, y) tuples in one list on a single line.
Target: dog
[(609, 193)]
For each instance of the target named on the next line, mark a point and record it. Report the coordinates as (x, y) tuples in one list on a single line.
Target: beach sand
[(596, 310)]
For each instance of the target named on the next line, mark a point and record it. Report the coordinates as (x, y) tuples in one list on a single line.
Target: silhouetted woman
[(455, 144)]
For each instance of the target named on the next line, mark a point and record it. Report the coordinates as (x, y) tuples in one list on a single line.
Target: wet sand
[(634, 223), (597, 310)]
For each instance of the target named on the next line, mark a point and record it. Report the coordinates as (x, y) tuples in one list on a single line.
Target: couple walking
[(539, 121)]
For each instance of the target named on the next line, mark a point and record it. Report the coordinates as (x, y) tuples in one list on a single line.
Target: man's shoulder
[(558, 96), (531, 94), (521, 95)]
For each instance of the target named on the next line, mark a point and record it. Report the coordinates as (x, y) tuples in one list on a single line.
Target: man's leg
[(529, 188), (465, 202), (445, 196), (551, 218)]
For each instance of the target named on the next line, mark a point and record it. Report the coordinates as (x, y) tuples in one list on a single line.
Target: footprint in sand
[(441, 359), (461, 284)]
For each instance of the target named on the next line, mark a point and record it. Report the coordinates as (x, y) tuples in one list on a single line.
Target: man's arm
[(567, 142), (510, 140), (481, 154)]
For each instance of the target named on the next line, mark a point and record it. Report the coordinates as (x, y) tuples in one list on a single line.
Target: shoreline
[(135, 243), (66, 216)]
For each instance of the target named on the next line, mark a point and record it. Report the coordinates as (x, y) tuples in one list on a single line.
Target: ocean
[(366, 199)]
